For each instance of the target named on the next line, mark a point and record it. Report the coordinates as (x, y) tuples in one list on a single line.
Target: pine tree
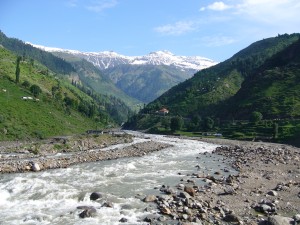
[(18, 69)]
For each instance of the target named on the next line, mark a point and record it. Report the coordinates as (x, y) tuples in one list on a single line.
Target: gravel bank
[(20, 158), (266, 190)]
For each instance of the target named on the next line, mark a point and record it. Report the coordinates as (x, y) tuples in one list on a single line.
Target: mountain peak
[(161, 52), (108, 59)]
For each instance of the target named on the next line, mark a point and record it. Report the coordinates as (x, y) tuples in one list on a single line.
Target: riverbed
[(53, 196)]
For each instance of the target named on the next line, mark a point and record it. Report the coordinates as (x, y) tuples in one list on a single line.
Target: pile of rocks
[(244, 155), (264, 192), (186, 205)]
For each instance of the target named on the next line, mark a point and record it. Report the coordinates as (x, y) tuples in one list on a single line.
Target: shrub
[(35, 90), (26, 84), (256, 117), (39, 134)]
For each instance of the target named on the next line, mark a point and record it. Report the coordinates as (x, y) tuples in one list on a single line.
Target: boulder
[(280, 220), (123, 220), (35, 167), (89, 211), (149, 219), (95, 195), (228, 190), (150, 198), (190, 190), (272, 193), (184, 195), (165, 210), (231, 218), (297, 218), (107, 204)]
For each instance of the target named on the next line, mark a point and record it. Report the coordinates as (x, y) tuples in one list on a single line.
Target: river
[(52, 196)]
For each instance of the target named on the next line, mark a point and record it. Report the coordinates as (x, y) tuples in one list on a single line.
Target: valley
[(59, 144)]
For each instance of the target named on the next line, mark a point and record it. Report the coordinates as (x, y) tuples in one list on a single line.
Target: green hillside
[(52, 62), (47, 116), (253, 95), (42, 103), (212, 86), (273, 89), (103, 102)]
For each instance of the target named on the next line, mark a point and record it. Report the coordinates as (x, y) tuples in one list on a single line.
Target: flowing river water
[(52, 196)]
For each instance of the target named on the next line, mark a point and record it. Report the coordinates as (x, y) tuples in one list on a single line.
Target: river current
[(52, 196)]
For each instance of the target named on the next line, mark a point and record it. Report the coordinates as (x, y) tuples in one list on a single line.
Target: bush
[(39, 134), (26, 84), (238, 135), (256, 117), (176, 123), (2, 118), (35, 90)]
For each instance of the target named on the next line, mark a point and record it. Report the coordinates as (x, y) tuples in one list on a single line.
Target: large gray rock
[(272, 193), (150, 198), (231, 217), (165, 210), (123, 220), (280, 220), (35, 167), (89, 211), (190, 190), (297, 218)]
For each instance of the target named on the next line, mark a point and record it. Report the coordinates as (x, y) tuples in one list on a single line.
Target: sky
[(207, 28)]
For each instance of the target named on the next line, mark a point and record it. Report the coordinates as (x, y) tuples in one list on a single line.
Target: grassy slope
[(212, 86), (273, 89), (21, 119)]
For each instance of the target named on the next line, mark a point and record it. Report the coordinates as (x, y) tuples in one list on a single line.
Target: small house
[(163, 111)]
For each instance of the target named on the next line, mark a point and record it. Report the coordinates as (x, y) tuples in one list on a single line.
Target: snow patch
[(109, 59)]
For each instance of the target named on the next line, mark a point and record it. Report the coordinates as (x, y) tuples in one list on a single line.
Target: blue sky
[(213, 29)]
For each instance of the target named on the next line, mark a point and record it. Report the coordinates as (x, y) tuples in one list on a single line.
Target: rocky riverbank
[(62, 152), (266, 190)]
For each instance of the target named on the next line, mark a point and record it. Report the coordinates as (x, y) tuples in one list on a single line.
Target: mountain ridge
[(143, 78), (108, 59)]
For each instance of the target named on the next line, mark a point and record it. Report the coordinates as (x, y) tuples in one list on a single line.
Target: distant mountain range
[(141, 77), (109, 59)]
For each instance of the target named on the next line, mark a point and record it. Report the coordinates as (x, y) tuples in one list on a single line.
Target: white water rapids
[(52, 196)]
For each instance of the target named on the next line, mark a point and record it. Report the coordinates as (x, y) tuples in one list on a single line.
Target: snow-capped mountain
[(142, 77), (108, 59)]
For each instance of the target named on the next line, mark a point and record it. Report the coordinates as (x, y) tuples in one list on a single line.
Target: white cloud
[(100, 5), (270, 11), (179, 28), (72, 3), (217, 41), (216, 6)]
